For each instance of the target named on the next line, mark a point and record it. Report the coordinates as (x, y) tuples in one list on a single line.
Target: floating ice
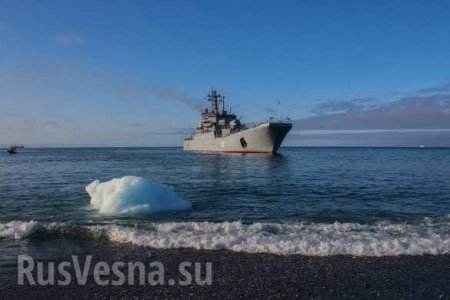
[(133, 195)]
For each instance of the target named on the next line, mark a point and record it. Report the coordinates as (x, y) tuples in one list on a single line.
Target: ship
[(221, 131), (13, 149)]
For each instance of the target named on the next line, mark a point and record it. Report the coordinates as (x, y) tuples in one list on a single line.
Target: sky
[(134, 73)]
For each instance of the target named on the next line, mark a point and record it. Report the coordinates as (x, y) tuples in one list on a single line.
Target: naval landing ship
[(221, 131)]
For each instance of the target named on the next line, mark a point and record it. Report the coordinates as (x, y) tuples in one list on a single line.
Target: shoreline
[(237, 274)]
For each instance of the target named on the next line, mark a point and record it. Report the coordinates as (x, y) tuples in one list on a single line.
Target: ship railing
[(270, 120), (279, 120)]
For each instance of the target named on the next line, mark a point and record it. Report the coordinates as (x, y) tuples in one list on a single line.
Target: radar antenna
[(215, 98)]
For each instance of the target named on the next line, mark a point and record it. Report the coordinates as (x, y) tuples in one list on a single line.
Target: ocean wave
[(19, 229), (430, 236)]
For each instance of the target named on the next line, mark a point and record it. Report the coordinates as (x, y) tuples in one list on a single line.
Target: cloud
[(181, 131), (28, 126), (136, 124), (69, 38), (55, 121), (63, 102), (412, 112), (342, 106), (443, 88), (369, 138), (25, 124)]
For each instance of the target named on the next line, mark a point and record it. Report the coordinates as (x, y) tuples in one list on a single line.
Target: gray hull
[(265, 138)]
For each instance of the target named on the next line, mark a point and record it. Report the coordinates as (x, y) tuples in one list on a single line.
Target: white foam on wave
[(133, 195), (18, 229), (382, 239), (316, 239)]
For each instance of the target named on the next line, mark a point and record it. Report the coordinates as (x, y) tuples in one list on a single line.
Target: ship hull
[(265, 138)]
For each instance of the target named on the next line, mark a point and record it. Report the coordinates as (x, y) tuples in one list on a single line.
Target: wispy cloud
[(69, 38), (341, 106), (62, 102), (370, 138), (174, 131), (443, 88), (412, 112), (366, 131), (28, 125)]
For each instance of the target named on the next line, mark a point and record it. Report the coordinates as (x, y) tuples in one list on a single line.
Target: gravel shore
[(236, 275)]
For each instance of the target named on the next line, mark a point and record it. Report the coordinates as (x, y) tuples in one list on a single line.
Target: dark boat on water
[(13, 149)]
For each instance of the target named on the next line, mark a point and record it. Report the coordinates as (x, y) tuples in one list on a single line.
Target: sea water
[(311, 201)]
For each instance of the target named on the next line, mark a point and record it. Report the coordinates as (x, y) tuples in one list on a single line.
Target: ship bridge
[(216, 119)]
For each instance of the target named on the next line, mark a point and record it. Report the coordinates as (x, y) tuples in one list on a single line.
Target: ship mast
[(215, 98)]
